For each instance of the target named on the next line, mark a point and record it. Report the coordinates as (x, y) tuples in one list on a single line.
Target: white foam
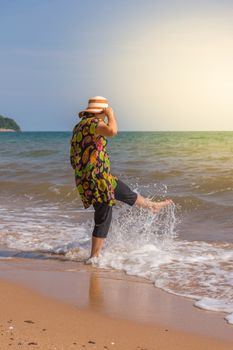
[(44, 228), (216, 305), (229, 318)]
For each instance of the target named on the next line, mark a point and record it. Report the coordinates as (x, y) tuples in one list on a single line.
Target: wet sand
[(66, 305)]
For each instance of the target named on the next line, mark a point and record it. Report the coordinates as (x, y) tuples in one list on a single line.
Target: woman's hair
[(85, 114), (88, 114)]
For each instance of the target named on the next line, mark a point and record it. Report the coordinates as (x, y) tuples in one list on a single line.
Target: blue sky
[(56, 54)]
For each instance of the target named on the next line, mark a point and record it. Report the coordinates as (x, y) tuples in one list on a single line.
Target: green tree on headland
[(8, 123)]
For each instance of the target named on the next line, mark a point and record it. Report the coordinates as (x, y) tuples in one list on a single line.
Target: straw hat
[(96, 104)]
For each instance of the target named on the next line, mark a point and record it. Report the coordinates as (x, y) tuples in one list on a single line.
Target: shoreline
[(7, 130), (113, 297)]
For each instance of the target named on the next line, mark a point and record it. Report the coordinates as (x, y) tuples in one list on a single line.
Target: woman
[(95, 183)]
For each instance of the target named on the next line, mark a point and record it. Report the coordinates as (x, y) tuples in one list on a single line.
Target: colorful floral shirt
[(90, 160)]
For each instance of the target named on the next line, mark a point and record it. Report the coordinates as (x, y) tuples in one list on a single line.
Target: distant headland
[(8, 124)]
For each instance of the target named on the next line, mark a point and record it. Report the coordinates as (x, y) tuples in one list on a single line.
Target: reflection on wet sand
[(96, 295)]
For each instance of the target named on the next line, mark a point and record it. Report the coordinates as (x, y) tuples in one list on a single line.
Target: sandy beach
[(7, 130), (65, 305)]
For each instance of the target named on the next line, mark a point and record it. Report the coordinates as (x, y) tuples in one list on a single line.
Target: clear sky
[(163, 65)]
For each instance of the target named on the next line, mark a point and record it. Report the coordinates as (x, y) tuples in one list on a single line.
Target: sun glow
[(178, 73)]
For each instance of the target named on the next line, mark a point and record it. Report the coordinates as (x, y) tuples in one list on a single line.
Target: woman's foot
[(90, 260), (154, 206), (157, 206)]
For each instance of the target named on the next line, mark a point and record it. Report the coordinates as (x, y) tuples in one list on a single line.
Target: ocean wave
[(47, 192), (37, 153)]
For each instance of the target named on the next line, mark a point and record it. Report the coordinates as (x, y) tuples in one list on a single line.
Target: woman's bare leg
[(154, 206), (97, 244)]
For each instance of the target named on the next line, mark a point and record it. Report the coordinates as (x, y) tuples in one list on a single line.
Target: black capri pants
[(103, 212)]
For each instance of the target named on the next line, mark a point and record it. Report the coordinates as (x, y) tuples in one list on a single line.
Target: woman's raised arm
[(109, 129)]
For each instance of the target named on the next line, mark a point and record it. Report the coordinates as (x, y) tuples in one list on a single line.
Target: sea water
[(185, 249)]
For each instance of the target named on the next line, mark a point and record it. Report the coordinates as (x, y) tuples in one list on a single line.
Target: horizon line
[(133, 131)]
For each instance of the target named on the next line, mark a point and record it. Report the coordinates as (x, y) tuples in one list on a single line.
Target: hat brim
[(91, 110)]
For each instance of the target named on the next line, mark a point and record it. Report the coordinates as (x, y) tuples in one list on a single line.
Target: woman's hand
[(108, 111), (109, 129)]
